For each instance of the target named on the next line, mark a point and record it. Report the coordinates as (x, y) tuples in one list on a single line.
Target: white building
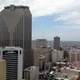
[(57, 55), (14, 62), (31, 73), (74, 54)]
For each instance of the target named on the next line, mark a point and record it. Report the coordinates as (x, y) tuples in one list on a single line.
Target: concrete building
[(74, 54), (56, 43), (2, 69), (41, 43), (57, 55), (41, 57), (16, 30), (31, 73), (14, 62)]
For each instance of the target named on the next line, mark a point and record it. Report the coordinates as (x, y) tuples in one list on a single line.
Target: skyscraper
[(56, 43), (14, 62), (16, 30)]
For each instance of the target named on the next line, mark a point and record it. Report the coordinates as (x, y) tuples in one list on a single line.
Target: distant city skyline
[(52, 18)]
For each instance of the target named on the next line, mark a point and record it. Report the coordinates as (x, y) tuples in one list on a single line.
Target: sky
[(52, 18)]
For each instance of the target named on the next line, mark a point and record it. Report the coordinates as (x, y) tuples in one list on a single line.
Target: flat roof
[(13, 6), (11, 48)]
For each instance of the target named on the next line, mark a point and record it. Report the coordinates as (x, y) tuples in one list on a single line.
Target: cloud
[(41, 7), (72, 15), (4, 3), (67, 11), (47, 7)]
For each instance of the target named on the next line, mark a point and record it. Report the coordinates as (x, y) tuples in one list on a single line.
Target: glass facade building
[(16, 30)]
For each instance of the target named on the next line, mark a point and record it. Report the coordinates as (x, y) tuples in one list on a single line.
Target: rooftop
[(13, 6)]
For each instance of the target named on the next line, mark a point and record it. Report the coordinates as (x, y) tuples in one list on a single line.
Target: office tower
[(14, 62), (31, 73), (2, 69), (16, 30), (41, 43), (57, 43)]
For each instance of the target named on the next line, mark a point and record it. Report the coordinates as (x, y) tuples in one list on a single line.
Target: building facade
[(16, 30), (57, 55), (56, 43), (74, 55), (14, 62), (31, 73), (41, 57), (2, 69)]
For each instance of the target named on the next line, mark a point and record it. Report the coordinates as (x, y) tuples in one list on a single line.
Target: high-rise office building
[(14, 62), (56, 43), (16, 30), (2, 69)]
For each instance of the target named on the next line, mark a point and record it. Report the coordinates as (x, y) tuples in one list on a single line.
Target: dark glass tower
[(16, 30), (57, 43)]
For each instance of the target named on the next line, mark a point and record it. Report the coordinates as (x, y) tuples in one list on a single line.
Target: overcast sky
[(52, 18)]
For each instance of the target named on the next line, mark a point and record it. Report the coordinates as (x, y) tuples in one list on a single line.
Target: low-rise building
[(41, 43), (2, 69), (31, 73)]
